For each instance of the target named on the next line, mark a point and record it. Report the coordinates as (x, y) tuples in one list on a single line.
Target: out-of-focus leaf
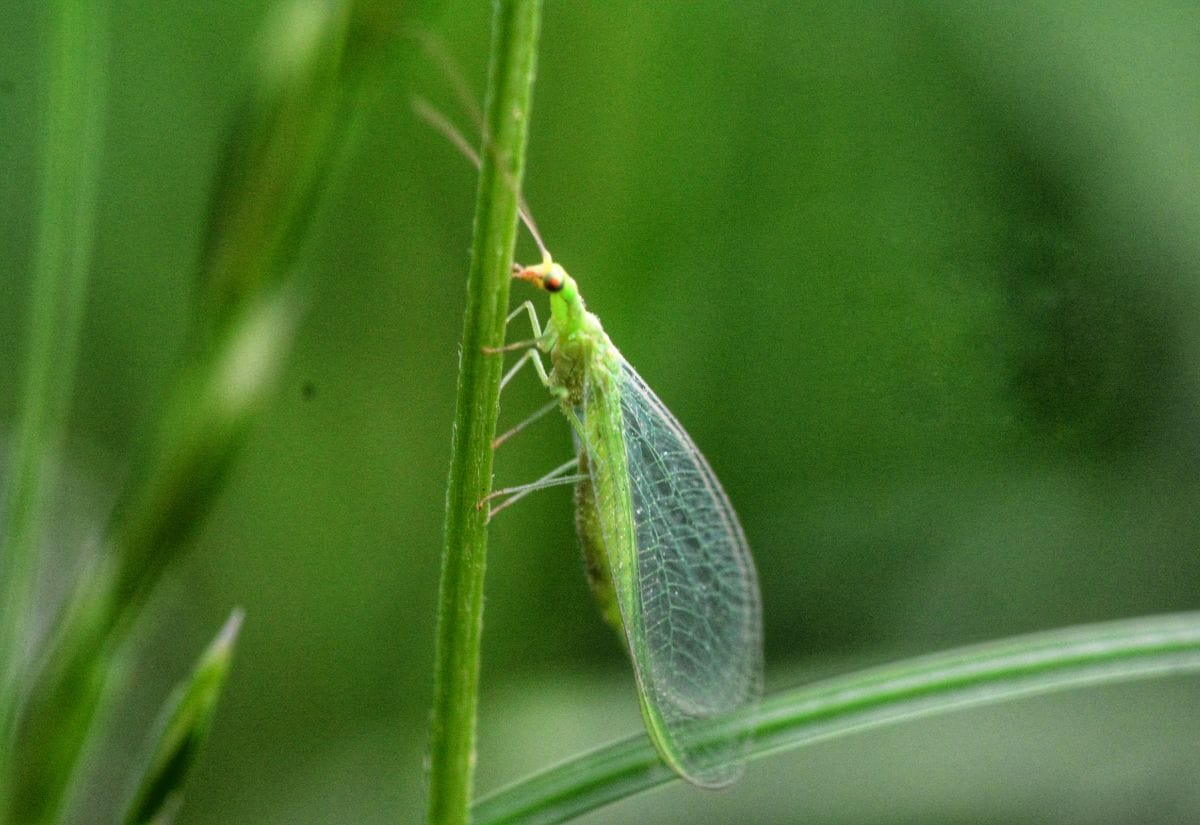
[(183, 728), (74, 95), (249, 306)]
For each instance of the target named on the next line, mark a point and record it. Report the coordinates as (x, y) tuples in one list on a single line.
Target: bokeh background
[(922, 280)]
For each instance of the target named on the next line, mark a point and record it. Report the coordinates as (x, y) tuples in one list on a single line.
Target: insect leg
[(500, 439), (526, 307), (510, 347), (529, 355), (533, 356), (554, 478)]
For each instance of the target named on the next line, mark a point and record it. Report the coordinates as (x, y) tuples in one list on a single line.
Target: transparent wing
[(687, 590)]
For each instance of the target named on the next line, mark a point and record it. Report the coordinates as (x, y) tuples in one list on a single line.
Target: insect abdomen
[(595, 556)]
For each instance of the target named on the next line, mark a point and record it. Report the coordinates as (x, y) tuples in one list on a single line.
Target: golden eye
[(553, 281)]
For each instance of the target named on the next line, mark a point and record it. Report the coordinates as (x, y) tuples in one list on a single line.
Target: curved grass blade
[(990, 673)]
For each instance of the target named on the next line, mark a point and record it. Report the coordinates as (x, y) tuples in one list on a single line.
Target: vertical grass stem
[(460, 599)]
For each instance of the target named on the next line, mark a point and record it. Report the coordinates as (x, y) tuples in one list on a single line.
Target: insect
[(665, 554)]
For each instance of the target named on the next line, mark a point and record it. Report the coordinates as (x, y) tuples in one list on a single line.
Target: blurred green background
[(921, 280)]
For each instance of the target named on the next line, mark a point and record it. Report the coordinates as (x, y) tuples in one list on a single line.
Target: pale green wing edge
[(688, 593)]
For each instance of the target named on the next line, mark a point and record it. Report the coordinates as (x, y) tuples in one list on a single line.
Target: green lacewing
[(666, 555)]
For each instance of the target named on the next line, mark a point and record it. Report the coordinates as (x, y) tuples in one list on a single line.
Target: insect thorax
[(579, 353)]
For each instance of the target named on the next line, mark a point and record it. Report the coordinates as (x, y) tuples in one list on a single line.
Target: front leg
[(527, 308)]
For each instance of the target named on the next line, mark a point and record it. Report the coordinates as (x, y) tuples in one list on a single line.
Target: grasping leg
[(533, 356), (526, 307), (532, 353)]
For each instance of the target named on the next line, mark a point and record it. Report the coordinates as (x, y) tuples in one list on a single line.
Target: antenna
[(439, 122), (435, 49)]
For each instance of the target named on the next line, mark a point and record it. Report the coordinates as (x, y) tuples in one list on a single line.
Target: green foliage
[(186, 719), (247, 313), (70, 153), (920, 280)]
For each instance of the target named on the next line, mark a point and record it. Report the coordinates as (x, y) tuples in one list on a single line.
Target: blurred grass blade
[(74, 94), (515, 26), (250, 298), (67, 697), (278, 151), (276, 155), (181, 731), (985, 674), (249, 306), (214, 407)]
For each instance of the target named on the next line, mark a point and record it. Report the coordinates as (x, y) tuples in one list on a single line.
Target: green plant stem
[(71, 144), (985, 674), (460, 599)]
